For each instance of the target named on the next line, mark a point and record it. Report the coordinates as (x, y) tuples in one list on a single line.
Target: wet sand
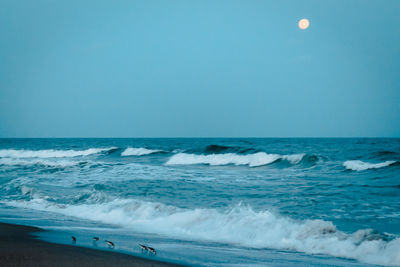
[(19, 248)]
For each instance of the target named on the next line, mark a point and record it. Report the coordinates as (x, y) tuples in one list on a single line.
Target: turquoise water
[(213, 202)]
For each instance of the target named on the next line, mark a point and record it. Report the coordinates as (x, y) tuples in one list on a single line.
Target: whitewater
[(229, 202)]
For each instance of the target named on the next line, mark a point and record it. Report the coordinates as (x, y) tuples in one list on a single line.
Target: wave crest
[(41, 162), (252, 160), (133, 151), (50, 153), (240, 225), (358, 165)]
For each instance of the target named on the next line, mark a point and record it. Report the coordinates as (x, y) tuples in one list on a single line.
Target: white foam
[(140, 151), (36, 161), (26, 190), (252, 160), (50, 153), (239, 226), (358, 165)]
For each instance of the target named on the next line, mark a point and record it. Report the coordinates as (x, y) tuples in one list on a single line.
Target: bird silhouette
[(110, 244)]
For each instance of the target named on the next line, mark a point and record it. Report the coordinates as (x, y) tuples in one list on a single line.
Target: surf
[(50, 153), (251, 160), (358, 165), (239, 225), (141, 151)]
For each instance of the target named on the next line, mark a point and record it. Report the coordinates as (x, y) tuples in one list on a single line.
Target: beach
[(18, 247)]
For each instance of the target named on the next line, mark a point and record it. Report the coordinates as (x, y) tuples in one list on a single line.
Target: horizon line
[(210, 137)]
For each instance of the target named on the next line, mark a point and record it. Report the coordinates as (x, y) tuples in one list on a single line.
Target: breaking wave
[(252, 160), (240, 225), (132, 151), (50, 153), (358, 165), (35, 161)]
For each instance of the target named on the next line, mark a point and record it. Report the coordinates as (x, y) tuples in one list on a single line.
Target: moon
[(303, 24)]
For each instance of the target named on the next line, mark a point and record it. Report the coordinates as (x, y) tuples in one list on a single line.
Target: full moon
[(303, 24)]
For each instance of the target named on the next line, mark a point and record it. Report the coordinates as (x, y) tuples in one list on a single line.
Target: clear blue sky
[(199, 68)]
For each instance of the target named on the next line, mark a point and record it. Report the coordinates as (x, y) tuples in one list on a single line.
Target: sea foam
[(50, 153), (240, 225), (38, 161), (252, 160), (358, 165), (140, 151)]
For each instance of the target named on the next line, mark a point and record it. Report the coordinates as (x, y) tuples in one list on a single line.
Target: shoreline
[(18, 247)]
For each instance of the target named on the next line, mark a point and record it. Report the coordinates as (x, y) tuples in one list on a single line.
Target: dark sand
[(19, 248)]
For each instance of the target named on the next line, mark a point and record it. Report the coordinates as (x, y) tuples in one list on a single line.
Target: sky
[(209, 68)]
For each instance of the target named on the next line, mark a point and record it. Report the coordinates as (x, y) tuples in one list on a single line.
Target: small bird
[(152, 250), (73, 239), (110, 244), (144, 248)]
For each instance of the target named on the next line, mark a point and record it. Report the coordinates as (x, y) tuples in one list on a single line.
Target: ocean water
[(212, 202)]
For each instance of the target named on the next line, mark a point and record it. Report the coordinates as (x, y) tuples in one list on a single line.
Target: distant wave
[(132, 151), (35, 161), (252, 160), (358, 165), (385, 153), (50, 153), (216, 149), (240, 225)]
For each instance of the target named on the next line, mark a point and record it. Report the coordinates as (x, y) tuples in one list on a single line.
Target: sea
[(212, 201)]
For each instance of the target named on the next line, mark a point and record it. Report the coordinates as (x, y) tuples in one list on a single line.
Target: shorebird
[(144, 248), (152, 250), (110, 244), (73, 239)]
